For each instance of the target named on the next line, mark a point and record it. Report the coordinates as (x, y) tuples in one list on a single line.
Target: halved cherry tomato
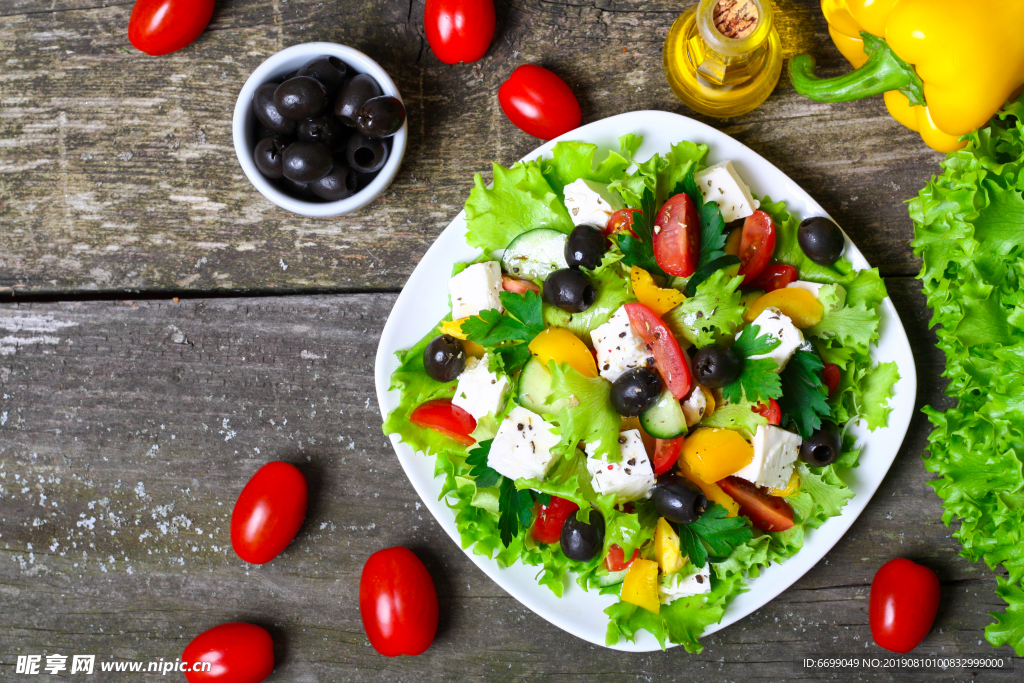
[(445, 418), (539, 103), (621, 221), (666, 453), (771, 412), (830, 376), (904, 602), (768, 513), (547, 528), (398, 602), (677, 236), (615, 560), (459, 30), (668, 357), (757, 245), (775, 276), (269, 512), (237, 653), (158, 27), (510, 284)]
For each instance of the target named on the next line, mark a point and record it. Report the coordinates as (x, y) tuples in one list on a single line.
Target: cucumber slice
[(535, 254), (665, 419), (612, 578), (535, 387)]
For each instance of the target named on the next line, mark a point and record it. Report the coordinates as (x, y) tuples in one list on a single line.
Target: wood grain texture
[(117, 172), (127, 429)]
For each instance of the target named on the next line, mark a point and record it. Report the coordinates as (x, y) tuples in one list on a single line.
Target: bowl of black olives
[(319, 129)]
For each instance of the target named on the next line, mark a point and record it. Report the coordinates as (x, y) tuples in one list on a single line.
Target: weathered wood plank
[(128, 428), (117, 170)]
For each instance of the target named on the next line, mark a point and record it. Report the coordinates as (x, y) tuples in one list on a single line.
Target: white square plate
[(424, 301)]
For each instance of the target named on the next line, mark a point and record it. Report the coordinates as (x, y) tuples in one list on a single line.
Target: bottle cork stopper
[(735, 18)]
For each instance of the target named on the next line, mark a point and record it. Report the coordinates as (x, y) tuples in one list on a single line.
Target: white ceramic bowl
[(243, 128)]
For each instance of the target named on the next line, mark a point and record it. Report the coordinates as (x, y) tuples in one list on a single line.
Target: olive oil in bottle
[(723, 57)]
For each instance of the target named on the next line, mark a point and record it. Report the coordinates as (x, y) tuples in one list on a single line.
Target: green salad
[(645, 380)]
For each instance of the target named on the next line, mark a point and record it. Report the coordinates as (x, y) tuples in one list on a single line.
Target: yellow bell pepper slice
[(712, 491), (802, 307), (791, 486), (666, 547), (562, 346), (658, 299), (640, 587), (713, 454)]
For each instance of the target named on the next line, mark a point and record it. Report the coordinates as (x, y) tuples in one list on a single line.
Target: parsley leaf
[(758, 380), (522, 321), (485, 475), (515, 510), (712, 227), (715, 532), (639, 250), (802, 398)]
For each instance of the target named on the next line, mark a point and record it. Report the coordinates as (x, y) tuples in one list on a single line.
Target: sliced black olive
[(306, 161), (296, 189), (364, 154), (570, 290), (715, 366), (380, 117), (268, 154), (323, 129), (444, 358), (300, 98), (582, 541), (678, 499), (635, 391), (821, 240), (330, 71), (340, 183), (353, 96), (585, 247), (267, 113), (823, 447)]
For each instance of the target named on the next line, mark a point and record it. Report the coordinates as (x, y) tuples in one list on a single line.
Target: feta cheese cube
[(775, 454), (694, 406), (776, 323), (673, 586), (629, 479), (815, 289), (522, 446), (476, 289), (619, 348), (590, 203), (480, 391), (721, 184)]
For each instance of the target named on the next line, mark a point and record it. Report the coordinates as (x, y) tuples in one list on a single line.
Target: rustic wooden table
[(129, 421)]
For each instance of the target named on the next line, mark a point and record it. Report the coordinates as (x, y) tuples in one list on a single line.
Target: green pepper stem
[(884, 71)]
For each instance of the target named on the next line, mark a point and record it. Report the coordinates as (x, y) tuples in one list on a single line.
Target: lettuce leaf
[(712, 314)]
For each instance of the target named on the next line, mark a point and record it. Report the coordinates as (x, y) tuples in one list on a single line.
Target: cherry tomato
[(830, 376), (445, 418), (539, 103), (268, 512), (237, 652), (903, 604), (771, 412), (621, 221), (677, 236), (547, 528), (757, 244), (767, 512), (666, 453), (398, 603), (510, 284), (615, 560), (459, 30), (668, 357), (160, 26), (775, 276)]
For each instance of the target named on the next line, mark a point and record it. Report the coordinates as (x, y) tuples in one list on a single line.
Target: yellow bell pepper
[(562, 346), (791, 486), (714, 454), (945, 66), (454, 328), (640, 586), (712, 491), (658, 299), (799, 305), (666, 547)]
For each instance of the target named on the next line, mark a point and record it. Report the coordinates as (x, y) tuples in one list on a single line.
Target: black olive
[(340, 183), (444, 359), (353, 96), (330, 71), (306, 161), (380, 117), (267, 156), (582, 541), (715, 366), (821, 240), (823, 446), (570, 290), (364, 154), (264, 132), (678, 499), (267, 113), (635, 391), (585, 247), (300, 98), (323, 129), (296, 189)]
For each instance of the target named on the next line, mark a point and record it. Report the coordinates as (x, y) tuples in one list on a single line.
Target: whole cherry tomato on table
[(539, 103), (669, 358), (237, 652), (459, 30), (547, 528), (677, 236), (903, 604), (398, 603), (757, 244), (446, 418), (158, 27), (268, 512), (774, 277)]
